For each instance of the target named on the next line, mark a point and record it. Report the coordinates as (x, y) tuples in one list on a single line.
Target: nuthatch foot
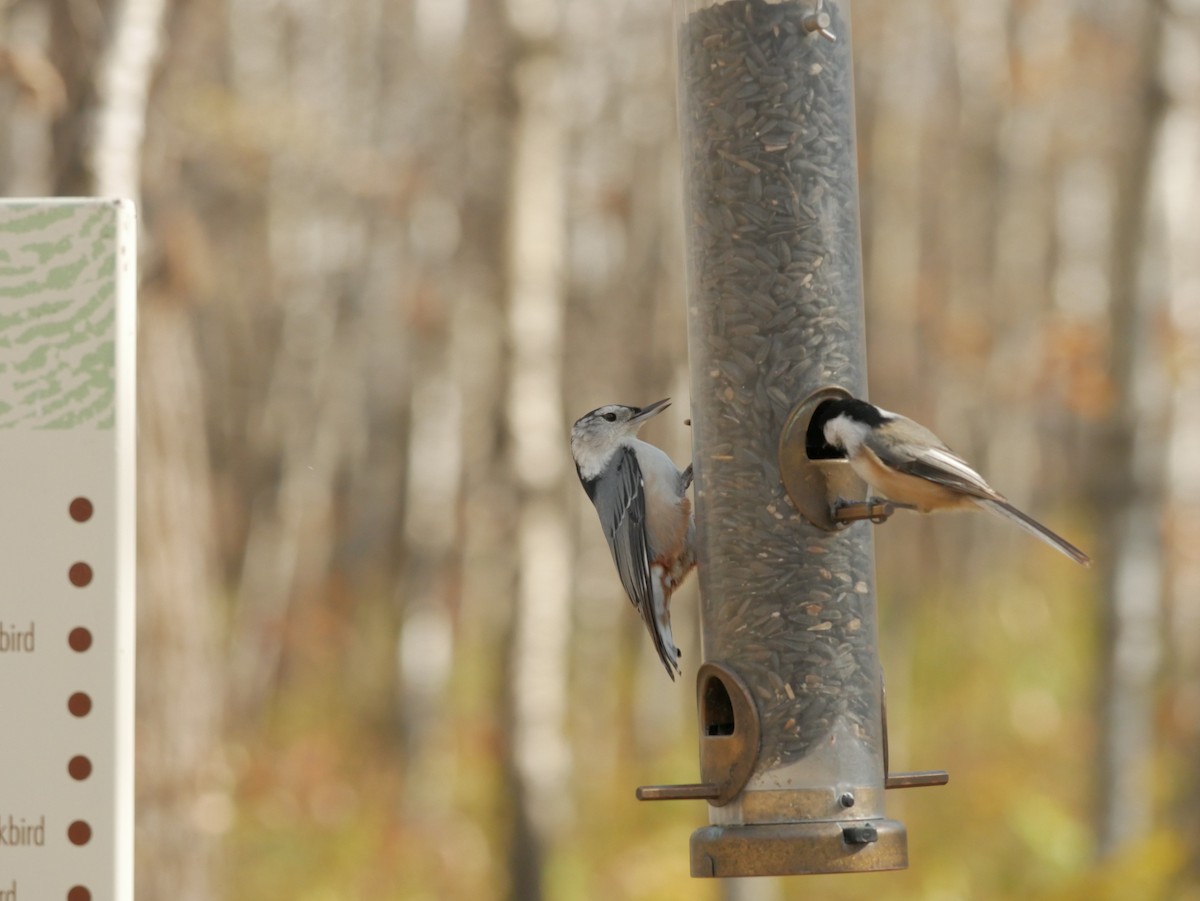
[(910, 465), (641, 497)]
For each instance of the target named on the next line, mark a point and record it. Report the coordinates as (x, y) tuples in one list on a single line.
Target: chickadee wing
[(935, 462), (622, 508), (921, 454)]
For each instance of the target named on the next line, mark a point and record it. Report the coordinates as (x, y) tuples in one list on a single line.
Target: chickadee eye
[(611, 417)]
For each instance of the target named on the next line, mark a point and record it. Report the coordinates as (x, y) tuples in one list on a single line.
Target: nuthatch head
[(641, 498), (910, 465)]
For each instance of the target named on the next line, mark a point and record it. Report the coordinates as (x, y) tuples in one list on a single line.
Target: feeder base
[(795, 849)]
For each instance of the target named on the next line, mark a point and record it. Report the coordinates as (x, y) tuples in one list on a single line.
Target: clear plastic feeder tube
[(775, 313)]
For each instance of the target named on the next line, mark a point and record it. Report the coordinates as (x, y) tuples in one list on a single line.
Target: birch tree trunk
[(179, 806), (126, 72), (1130, 480), (1176, 187), (538, 666)]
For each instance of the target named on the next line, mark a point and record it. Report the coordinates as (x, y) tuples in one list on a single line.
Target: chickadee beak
[(650, 410)]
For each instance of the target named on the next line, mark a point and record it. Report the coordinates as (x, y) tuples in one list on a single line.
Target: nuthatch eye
[(641, 497), (910, 465)]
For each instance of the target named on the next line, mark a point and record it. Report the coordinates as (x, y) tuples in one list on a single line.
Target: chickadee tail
[(1035, 528)]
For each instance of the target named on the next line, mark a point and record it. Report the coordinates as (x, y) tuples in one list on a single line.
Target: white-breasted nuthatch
[(910, 465), (641, 497)]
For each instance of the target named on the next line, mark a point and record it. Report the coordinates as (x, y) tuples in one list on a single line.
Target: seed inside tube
[(767, 114)]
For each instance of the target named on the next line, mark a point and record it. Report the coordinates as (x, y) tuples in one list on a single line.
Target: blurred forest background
[(392, 248)]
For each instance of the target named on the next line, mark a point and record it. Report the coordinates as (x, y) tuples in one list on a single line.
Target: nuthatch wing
[(641, 497), (910, 465)]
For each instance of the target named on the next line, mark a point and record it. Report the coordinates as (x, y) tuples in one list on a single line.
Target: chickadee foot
[(687, 477)]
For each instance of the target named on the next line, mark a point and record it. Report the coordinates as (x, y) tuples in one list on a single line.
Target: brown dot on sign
[(80, 704), (80, 574), (79, 893), (81, 509), (79, 832), (79, 767), (80, 639)]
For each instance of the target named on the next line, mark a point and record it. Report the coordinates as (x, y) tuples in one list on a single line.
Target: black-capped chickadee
[(910, 465)]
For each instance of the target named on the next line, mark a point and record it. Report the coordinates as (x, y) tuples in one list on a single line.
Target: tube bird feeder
[(790, 695)]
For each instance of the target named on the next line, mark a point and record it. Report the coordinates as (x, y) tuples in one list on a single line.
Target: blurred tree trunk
[(1131, 472), (180, 691), (79, 36), (1177, 186), (125, 73), (98, 150), (313, 72), (752, 889), (33, 95), (541, 758), (177, 742), (428, 589)]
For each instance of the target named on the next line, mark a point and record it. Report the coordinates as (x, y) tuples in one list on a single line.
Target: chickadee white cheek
[(846, 433)]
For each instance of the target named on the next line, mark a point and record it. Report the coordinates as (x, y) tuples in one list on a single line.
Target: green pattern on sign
[(57, 322)]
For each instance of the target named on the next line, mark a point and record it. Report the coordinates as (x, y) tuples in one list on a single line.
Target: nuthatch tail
[(910, 465), (641, 497)]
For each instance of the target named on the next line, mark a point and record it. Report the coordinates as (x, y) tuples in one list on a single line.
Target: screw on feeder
[(865, 834), (819, 21)]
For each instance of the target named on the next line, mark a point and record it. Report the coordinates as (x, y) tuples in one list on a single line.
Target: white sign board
[(67, 545)]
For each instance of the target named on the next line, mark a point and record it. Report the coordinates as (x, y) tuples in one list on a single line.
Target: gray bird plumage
[(641, 499)]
